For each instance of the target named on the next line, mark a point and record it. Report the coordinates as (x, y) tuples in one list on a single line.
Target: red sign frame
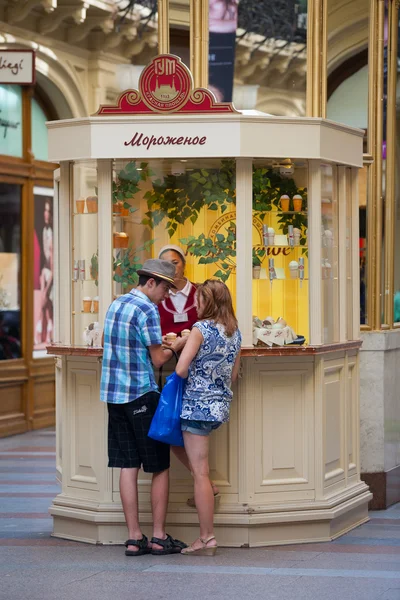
[(165, 87)]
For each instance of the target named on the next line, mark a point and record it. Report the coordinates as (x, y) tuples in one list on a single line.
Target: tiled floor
[(362, 565)]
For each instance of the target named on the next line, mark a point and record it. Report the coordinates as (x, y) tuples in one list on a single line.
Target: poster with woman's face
[(43, 271), (222, 24)]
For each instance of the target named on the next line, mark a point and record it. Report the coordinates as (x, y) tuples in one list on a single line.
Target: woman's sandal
[(169, 546), (204, 550), (142, 544)]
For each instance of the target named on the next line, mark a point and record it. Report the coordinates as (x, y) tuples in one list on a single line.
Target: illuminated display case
[(270, 206), (192, 203)]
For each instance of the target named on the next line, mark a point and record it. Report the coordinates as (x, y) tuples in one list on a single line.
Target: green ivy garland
[(178, 198)]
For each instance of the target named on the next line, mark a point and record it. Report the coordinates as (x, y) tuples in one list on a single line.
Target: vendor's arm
[(194, 341)]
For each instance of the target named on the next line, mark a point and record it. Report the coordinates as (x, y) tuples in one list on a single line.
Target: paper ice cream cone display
[(297, 202), (121, 240), (92, 204), (80, 206), (284, 202), (87, 304)]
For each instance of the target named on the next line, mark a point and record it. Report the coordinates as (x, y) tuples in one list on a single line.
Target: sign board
[(17, 66), (166, 86)]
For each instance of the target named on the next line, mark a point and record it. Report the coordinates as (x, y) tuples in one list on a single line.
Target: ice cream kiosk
[(270, 206)]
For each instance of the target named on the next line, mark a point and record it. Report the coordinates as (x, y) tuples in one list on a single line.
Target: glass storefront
[(10, 271), (39, 131), (11, 120), (26, 259)]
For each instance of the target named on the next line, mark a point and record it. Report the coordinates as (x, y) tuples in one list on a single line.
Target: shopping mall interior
[(324, 59)]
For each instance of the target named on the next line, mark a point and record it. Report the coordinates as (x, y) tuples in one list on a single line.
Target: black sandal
[(141, 544), (169, 545)]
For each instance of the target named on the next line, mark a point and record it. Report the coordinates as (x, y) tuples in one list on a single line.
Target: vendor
[(178, 311)]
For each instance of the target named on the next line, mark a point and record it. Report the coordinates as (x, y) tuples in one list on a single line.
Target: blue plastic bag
[(166, 423)]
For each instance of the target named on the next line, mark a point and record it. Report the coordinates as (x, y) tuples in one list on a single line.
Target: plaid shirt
[(132, 324)]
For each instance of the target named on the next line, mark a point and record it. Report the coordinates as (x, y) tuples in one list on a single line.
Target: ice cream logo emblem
[(225, 225), (166, 84)]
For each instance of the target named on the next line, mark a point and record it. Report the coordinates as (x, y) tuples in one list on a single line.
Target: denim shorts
[(199, 427)]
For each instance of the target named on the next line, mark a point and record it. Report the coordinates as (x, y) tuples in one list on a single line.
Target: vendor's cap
[(174, 248), (160, 269)]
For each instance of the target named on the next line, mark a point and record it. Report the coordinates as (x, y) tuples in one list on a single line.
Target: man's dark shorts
[(128, 443)]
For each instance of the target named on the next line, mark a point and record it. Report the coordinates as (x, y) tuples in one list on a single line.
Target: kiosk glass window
[(187, 203), (84, 263), (329, 254), (10, 268), (349, 257), (280, 252)]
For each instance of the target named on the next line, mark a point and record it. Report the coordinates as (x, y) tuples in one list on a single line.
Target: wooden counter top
[(300, 350), (68, 350)]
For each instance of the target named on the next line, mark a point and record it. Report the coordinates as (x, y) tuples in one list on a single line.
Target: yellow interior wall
[(285, 298)]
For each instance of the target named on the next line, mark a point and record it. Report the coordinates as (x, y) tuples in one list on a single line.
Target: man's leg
[(129, 497), (159, 504)]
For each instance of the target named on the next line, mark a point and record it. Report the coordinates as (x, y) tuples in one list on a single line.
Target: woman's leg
[(197, 451), (182, 456)]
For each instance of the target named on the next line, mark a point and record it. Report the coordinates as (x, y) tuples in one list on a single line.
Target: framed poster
[(43, 288), (223, 19)]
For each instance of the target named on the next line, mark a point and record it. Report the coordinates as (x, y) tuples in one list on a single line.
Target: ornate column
[(317, 58), (163, 26), (390, 188), (199, 42)]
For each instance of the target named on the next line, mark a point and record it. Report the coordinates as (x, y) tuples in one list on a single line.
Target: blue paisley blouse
[(207, 394)]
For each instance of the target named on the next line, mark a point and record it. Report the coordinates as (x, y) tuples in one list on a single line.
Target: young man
[(132, 346)]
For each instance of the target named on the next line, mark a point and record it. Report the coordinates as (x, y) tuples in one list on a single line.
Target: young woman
[(210, 361), (178, 311)]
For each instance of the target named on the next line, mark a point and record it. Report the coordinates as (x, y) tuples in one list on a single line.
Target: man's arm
[(160, 355)]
